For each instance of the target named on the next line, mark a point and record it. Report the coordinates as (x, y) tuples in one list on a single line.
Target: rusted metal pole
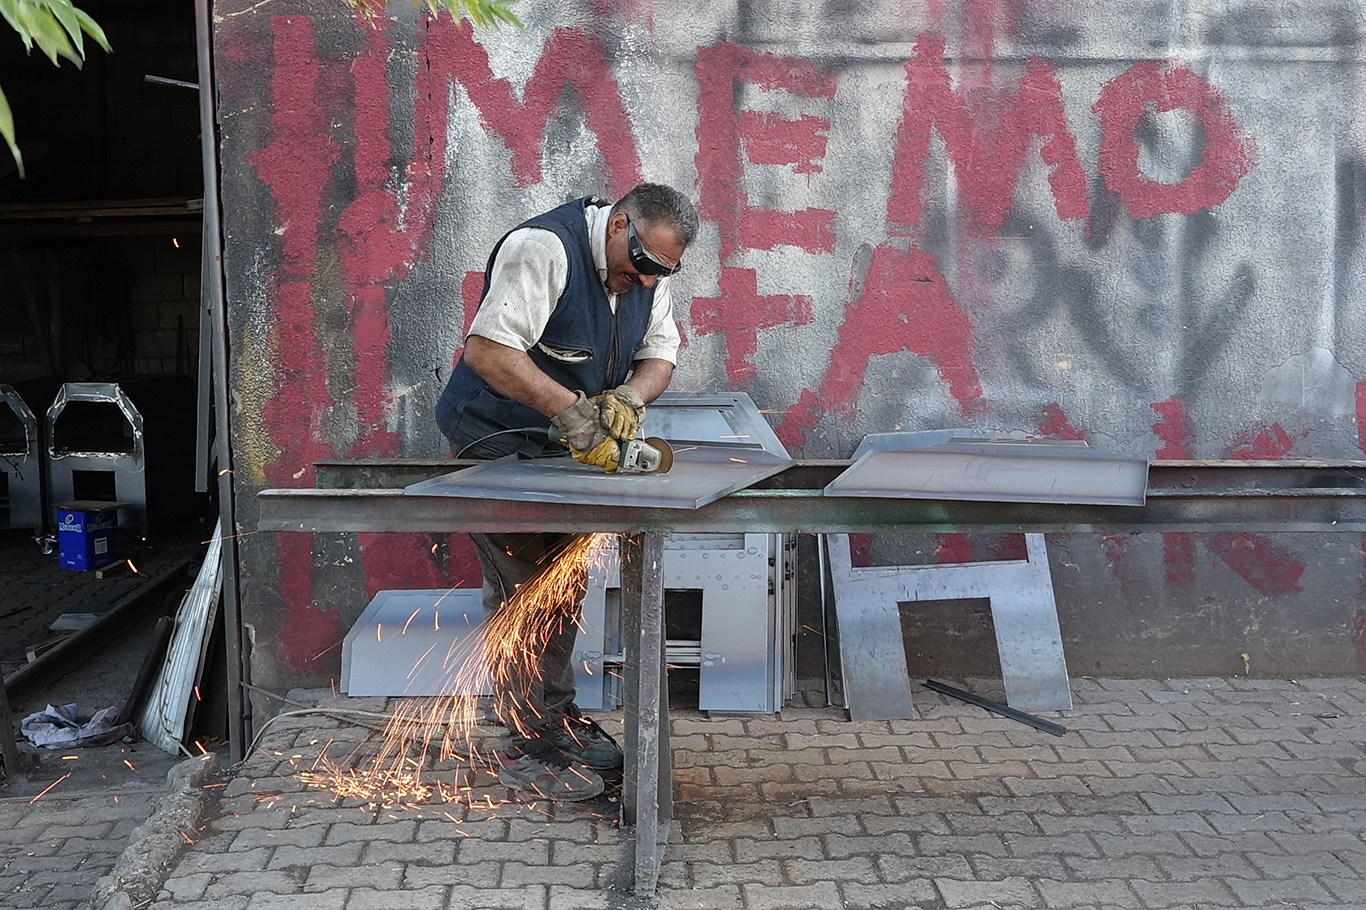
[(9, 749)]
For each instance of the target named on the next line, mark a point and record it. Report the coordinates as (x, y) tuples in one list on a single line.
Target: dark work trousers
[(509, 560)]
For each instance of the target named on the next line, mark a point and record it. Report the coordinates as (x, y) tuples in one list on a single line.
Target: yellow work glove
[(605, 455), (582, 432), (622, 410)]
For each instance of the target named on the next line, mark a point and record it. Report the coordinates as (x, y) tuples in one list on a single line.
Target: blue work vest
[(582, 322)]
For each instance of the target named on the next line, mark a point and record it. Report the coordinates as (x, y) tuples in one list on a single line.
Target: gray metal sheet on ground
[(993, 471), (409, 643), (700, 474)]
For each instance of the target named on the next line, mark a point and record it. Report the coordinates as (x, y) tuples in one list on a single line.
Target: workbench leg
[(647, 778)]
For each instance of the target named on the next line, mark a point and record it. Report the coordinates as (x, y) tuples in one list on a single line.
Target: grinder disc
[(666, 453)]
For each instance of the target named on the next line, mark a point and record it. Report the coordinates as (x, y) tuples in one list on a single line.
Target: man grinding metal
[(575, 332)]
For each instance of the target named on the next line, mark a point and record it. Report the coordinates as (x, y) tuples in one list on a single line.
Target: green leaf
[(10, 10), (92, 28), (47, 33), (480, 12), (7, 132), (65, 15)]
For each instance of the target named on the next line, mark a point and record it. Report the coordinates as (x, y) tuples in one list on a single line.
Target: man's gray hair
[(650, 204)]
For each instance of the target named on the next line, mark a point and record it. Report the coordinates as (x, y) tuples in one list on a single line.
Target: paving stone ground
[(54, 849), (1191, 794)]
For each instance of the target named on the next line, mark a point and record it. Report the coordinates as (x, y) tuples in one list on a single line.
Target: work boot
[(549, 776), (580, 739)]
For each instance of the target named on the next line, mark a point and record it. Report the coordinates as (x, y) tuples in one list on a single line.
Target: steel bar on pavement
[(995, 707)]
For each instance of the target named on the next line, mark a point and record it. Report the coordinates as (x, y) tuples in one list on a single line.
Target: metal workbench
[(1193, 496)]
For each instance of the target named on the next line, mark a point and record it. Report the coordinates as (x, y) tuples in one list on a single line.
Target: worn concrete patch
[(154, 845)]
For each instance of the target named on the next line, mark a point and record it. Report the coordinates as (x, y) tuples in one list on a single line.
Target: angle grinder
[(651, 455)]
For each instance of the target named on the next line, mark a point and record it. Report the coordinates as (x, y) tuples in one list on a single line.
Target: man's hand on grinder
[(623, 411), (583, 432)]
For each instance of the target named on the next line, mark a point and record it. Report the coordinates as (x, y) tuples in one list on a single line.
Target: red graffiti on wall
[(986, 140), (726, 138), (987, 162), (903, 303), (1174, 428), (572, 58), (1270, 569), (419, 561), (905, 306), (1267, 567), (1053, 424), (1260, 443), (295, 166), (386, 229), (1150, 87), (739, 290), (1361, 415), (768, 138), (723, 133)]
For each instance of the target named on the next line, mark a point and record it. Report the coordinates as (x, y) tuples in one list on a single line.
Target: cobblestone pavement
[(54, 849), (1204, 793)]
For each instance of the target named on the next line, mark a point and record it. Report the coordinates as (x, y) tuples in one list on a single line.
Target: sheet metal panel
[(873, 659), (409, 643), (730, 418), (164, 718), (701, 474), (998, 471), (742, 656)]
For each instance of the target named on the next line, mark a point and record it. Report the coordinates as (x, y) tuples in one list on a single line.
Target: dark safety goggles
[(644, 262)]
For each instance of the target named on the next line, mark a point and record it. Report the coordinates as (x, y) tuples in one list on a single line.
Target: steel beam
[(778, 511)]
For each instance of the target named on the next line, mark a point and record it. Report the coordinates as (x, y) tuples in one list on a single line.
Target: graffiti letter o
[(1149, 87)]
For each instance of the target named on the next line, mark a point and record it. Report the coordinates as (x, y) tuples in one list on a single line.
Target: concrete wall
[(1133, 223)]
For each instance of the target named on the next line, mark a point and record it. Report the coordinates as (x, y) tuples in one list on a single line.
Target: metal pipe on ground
[(9, 748), (212, 290), (30, 679)]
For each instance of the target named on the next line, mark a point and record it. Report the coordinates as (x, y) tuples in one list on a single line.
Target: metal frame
[(1182, 496), (873, 659), (24, 468), (129, 468), (741, 657)]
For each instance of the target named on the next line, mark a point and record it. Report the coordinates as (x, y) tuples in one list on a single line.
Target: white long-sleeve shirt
[(529, 275)]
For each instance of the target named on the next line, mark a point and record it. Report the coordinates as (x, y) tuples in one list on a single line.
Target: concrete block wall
[(103, 131), (164, 302), (123, 307)]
